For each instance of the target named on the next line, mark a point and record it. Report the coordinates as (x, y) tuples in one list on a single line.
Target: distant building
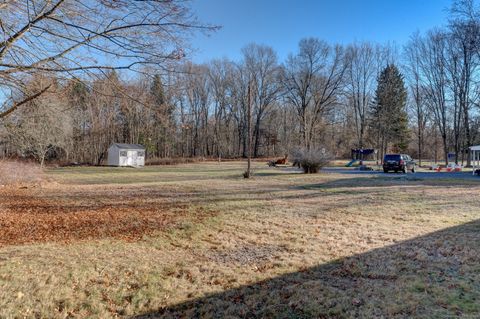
[(120, 154)]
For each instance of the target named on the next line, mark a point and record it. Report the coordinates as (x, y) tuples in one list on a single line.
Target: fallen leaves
[(44, 215)]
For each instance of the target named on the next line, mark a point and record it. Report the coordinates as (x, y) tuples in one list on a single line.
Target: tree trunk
[(249, 133), (257, 137), (468, 136), (445, 147)]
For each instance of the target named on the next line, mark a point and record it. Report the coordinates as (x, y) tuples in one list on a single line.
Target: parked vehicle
[(398, 163)]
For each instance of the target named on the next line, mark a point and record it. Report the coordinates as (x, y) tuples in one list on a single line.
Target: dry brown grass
[(173, 161), (19, 173), (279, 245)]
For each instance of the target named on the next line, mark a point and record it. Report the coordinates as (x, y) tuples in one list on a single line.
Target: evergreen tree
[(390, 120), (157, 91), (163, 118)]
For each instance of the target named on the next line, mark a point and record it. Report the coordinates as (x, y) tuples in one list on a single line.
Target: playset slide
[(351, 163)]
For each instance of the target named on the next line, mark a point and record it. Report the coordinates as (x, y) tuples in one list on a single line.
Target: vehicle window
[(392, 157)]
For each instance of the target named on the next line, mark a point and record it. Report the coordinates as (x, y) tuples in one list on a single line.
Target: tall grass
[(17, 173)]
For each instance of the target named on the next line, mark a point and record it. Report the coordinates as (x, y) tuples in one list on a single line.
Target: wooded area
[(60, 104)]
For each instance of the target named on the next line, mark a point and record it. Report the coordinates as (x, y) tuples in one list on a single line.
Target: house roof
[(129, 146), (475, 148)]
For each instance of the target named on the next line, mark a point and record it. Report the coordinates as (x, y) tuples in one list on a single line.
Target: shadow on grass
[(432, 276), (380, 181)]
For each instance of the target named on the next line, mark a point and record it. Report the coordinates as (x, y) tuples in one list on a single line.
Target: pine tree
[(157, 91), (390, 119), (163, 117)]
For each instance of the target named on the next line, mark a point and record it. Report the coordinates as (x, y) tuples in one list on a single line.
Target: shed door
[(123, 158), (132, 158)]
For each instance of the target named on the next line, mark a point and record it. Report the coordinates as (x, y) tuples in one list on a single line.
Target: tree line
[(422, 99)]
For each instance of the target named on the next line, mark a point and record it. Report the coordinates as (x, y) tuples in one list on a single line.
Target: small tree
[(40, 128)]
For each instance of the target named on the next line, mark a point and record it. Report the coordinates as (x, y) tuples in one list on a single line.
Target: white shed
[(475, 157), (120, 154)]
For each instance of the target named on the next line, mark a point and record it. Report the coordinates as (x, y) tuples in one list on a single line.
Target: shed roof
[(129, 146)]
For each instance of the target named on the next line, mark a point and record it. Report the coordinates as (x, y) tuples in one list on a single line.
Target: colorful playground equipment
[(475, 152), (451, 167), (350, 164)]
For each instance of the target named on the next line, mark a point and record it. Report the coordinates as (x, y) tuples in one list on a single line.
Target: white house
[(120, 154)]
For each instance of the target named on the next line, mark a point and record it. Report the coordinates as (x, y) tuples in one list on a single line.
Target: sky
[(282, 23)]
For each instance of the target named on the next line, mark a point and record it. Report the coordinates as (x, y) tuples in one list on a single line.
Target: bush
[(173, 160), (311, 161), (18, 173)]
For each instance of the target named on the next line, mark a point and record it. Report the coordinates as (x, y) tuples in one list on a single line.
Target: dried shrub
[(311, 161), (174, 160), (18, 173)]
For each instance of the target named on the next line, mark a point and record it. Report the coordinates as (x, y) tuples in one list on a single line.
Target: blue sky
[(282, 23)]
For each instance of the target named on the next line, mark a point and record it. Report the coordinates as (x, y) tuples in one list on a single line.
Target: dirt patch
[(36, 215)]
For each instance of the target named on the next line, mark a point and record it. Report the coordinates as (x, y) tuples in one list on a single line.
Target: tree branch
[(24, 101)]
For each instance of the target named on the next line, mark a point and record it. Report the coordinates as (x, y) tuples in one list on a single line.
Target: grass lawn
[(197, 240)]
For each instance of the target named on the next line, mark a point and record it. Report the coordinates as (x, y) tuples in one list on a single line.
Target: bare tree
[(363, 63), (248, 173), (45, 128), (417, 91), (432, 49), (198, 100), (262, 67), (220, 74), (238, 106), (464, 49), (71, 38), (312, 79)]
